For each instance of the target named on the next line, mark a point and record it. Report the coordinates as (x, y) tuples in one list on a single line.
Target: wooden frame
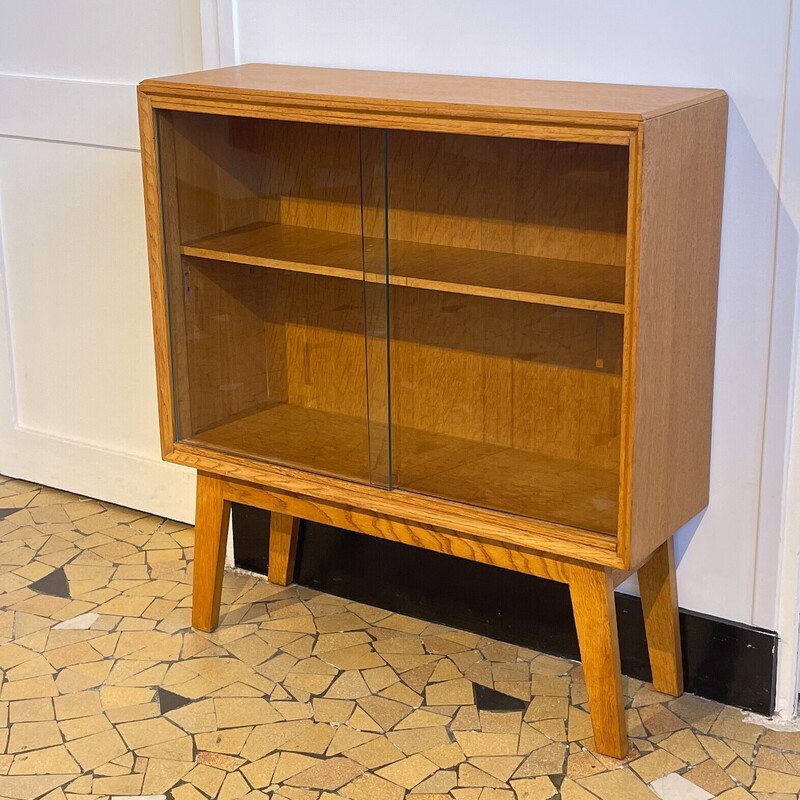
[(675, 141)]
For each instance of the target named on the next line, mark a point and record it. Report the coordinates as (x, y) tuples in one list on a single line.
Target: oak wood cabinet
[(472, 315)]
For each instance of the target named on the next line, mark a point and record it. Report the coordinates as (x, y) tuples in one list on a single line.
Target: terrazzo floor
[(108, 692)]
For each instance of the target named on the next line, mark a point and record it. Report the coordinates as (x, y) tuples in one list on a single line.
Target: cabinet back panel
[(559, 200)]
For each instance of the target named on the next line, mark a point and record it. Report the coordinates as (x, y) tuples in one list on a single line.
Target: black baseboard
[(722, 660)]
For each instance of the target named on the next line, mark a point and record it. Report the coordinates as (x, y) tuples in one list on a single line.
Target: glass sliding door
[(507, 287), (269, 315)]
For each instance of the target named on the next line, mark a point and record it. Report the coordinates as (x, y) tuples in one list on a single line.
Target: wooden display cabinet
[(470, 315)]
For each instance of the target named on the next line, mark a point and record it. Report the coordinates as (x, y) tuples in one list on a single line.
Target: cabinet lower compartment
[(525, 483)]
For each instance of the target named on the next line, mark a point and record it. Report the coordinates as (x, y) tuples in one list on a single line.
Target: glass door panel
[(507, 288), (265, 262)]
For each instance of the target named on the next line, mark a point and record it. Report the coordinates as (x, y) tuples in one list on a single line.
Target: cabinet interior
[(438, 313)]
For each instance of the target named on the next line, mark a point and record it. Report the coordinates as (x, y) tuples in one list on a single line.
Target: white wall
[(78, 409)]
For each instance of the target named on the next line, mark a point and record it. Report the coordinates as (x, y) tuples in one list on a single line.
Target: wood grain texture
[(558, 490), (659, 592), (210, 537), (676, 303), (460, 518), (459, 270), (283, 533), (473, 548), (454, 94), (158, 288), (592, 593)]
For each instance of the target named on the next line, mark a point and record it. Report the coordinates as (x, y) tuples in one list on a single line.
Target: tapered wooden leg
[(283, 531), (660, 605), (592, 592), (210, 538)]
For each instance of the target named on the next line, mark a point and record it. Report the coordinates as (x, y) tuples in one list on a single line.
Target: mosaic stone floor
[(107, 691)]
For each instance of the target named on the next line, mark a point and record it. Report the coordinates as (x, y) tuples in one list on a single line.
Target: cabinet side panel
[(682, 181)]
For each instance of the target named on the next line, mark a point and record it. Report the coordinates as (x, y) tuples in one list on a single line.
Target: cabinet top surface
[(530, 99)]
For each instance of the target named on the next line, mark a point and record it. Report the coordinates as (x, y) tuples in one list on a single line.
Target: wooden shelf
[(517, 481), (485, 273)]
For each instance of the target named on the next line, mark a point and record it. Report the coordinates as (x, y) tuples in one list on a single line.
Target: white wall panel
[(69, 111), (736, 45), (123, 41)]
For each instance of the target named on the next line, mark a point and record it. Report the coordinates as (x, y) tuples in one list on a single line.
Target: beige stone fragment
[(348, 686), (781, 740), (409, 771), (32, 736), (149, 732), (417, 678), (445, 670), (550, 686), (127, 785), (376, 753), (555, 729), (768, 781), (620, 784), (548, 760), (470, 776), (315, 740), (583, 764), (422, 719), (487, 744), (730, 725), (387, 713), (420, 740), (30, 688), (84, 726), (739, 793), (48, 760), (709, 776), (229, 741), (379, 678), (81, 704), (290, 764), (741, 772), (207, 779), (656, 765), (579, 725), (530, 739), (187, 792), (234, 787), (403, 694), (372, 787), (360, 656), (30, 786), (718, 750), (222, 761), (236, 712), (362, 721), (533, 789), (500, 721), (35, 710), (684, 745), (259, 773), (329, 774), (177, 750), (337, 711), (346, 738), (266, 738), (500, 767), (162, 774), (438, 785), (453, 692)]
